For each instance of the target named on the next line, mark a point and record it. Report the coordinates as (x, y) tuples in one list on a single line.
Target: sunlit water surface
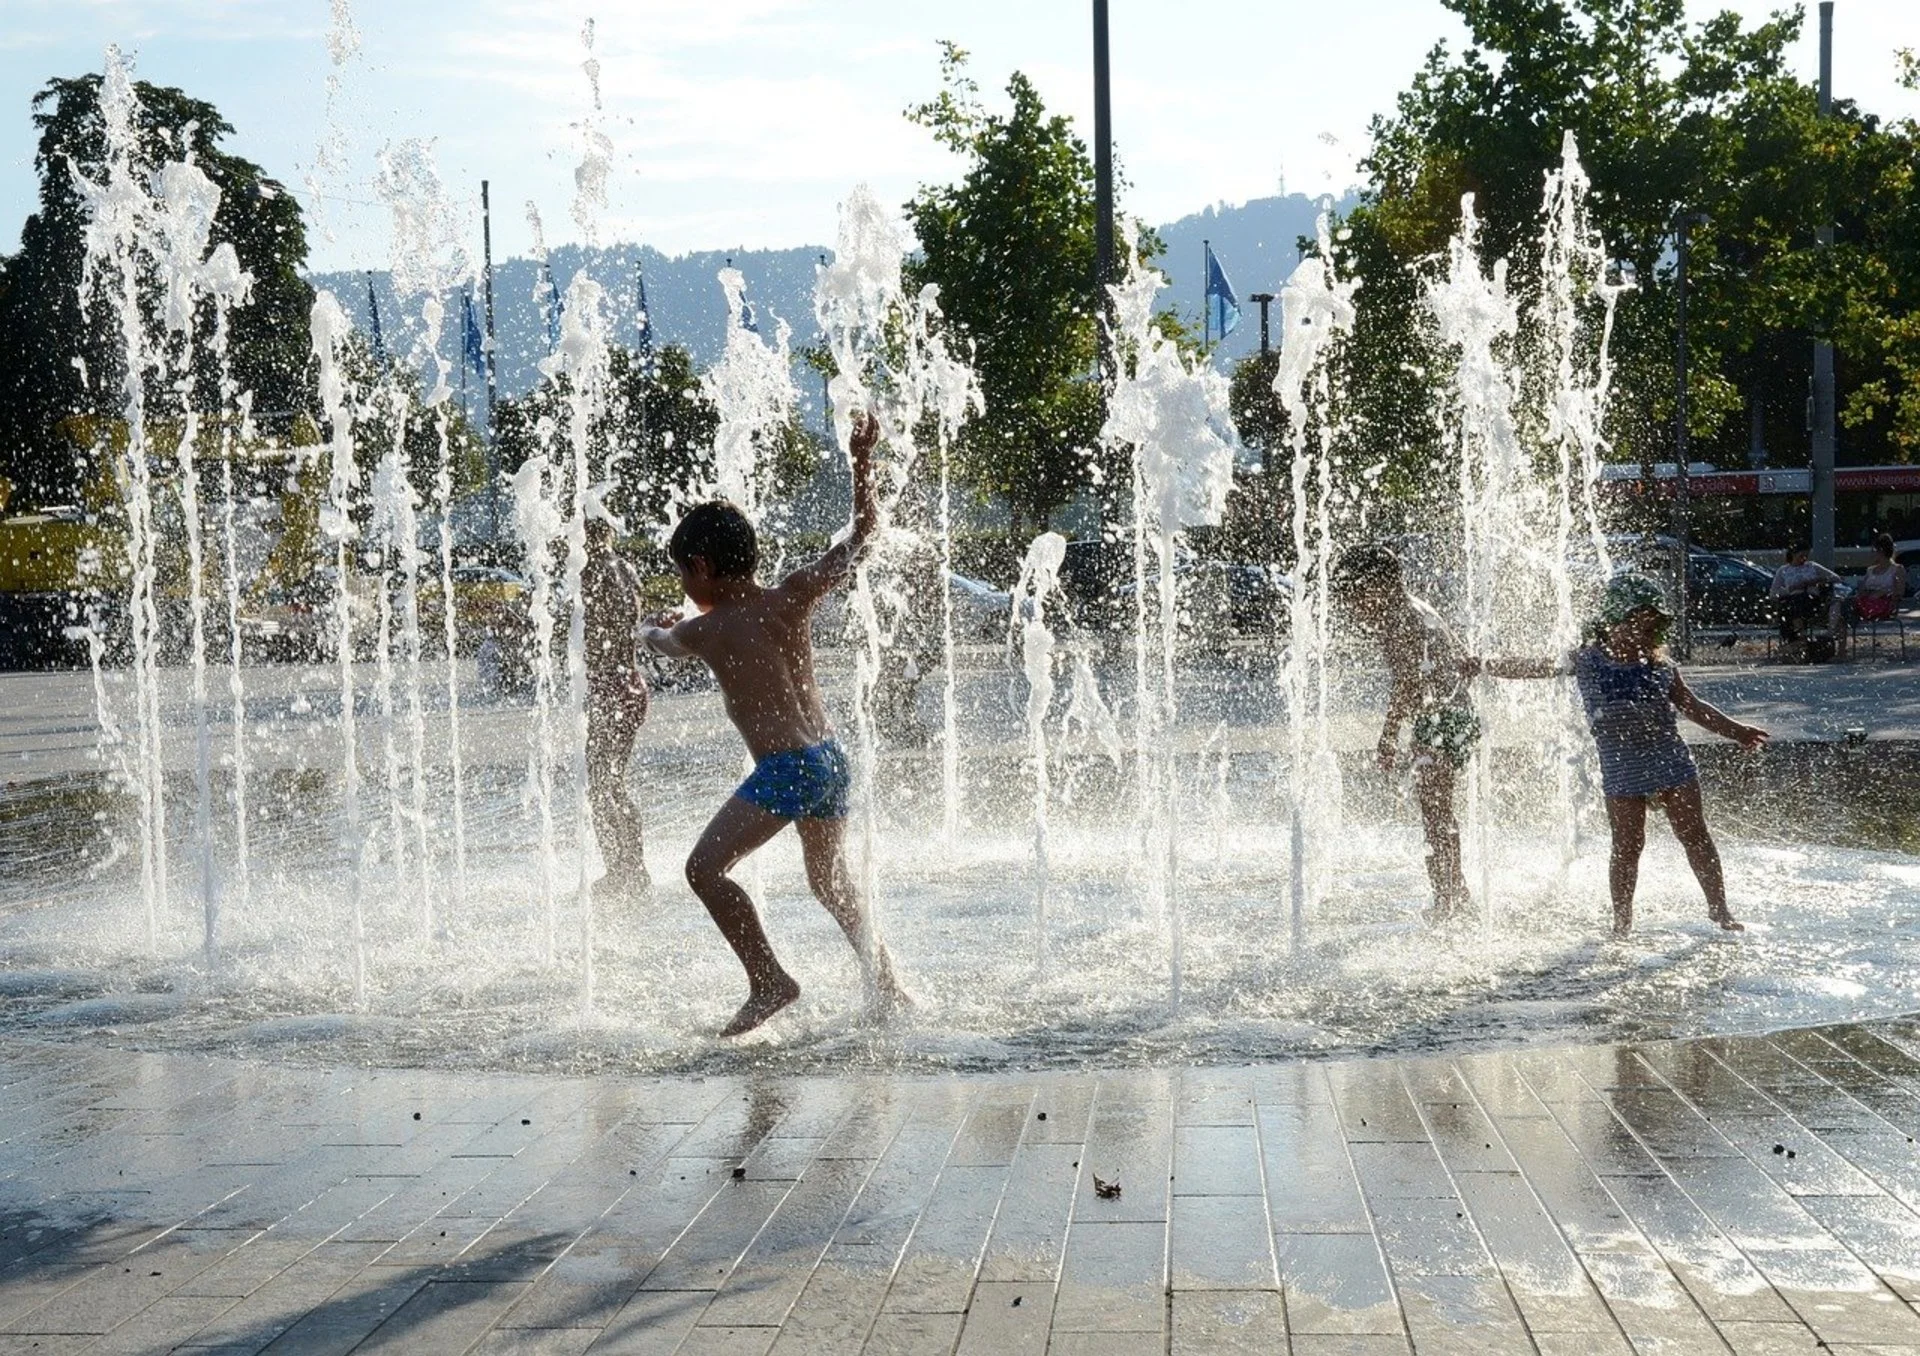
[(1832, 934)]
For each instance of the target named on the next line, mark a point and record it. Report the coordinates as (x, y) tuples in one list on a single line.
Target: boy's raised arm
[(814, 579), (1515, 666)]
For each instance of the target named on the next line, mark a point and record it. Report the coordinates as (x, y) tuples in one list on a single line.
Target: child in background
[(1631, 691), (1427, 667), (758, 642)]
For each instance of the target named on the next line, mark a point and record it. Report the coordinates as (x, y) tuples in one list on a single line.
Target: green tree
[(56, 361), (1670, 117), (653, 438), (1011, 246)]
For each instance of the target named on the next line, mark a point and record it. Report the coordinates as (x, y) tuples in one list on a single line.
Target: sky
[(746, 122)]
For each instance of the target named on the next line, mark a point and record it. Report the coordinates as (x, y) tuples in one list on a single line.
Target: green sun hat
[(1630, 593)]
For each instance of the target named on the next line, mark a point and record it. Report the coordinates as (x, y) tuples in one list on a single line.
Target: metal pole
[(1102, 157), (1683, 505), (1263, 300), (643, 352), (1206, 299), (826, 382), (493, 383), (1823, 393)]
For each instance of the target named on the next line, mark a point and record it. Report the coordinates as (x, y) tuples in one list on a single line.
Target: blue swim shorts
[(809, 783)]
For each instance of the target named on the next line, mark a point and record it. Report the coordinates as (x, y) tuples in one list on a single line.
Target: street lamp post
[(1263, 300), (1683, 501), (1103, 262)]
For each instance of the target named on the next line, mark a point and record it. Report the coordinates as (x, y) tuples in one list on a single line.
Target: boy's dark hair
[(1365, 567), (719, 534)]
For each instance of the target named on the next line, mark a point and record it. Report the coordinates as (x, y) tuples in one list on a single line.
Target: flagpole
[(644, 351), (493, 384), (1206, 295)]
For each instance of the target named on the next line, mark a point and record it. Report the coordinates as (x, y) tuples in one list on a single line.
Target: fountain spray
[(891, 358), (428, 261), (117, 211), (1173, 414), (1316, 309), (194, 273), (1039, 577), (330, 331)]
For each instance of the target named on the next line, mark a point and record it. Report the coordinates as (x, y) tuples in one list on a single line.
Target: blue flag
[(475, 350), (1223, 307), (645, 348), (373, 308), (748, 320), (554, 308)]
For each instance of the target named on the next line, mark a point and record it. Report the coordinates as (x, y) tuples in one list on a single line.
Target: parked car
[(1220, 599), (1725, 590), (980, 611), (486, 598), (1722, 589)]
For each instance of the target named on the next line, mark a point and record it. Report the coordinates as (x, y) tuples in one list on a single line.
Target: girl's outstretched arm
[(1710, 717), (1516, 666)]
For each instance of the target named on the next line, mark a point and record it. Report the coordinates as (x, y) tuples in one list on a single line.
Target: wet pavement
[(1746, 1194)]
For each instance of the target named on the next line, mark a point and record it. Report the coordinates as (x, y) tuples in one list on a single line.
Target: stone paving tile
[(1007, 1318), (1580, 1202)]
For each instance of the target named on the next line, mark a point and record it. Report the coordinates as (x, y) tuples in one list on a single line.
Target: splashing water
[(330, 329), (1316, 311), (1046, 843), (1170, 412), (890, 359), (751, 388), (1039, 577)]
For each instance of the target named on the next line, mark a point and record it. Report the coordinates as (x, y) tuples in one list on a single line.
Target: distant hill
[(1256, 242)]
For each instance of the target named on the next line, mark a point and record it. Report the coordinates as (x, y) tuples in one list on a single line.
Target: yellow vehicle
[(54, 567), (486, 599)]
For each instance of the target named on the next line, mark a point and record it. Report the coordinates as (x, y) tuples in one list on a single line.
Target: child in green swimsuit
[(1429, 686), (758, 642)]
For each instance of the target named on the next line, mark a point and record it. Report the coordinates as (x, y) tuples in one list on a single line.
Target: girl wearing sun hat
[(1632, 692)]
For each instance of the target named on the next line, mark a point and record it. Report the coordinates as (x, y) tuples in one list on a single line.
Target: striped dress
[(1630, 711)]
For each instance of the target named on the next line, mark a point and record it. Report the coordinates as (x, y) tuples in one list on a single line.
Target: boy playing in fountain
[(1426, 667), (758, 642), (1631, 691)]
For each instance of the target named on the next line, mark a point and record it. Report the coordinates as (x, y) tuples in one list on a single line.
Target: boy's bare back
[(758, 640), (761, 652)]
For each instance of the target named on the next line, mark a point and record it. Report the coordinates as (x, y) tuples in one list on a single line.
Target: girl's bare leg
[(736, 830), (1433, 789), (823, 848), (1689, 820), (1627, 817)]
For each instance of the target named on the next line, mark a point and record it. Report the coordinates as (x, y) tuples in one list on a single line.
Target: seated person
[(1802, 589), (1880, 591)]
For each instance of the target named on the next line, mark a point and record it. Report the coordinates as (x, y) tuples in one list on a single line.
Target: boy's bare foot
[(890, 1001), (1622, 927), (627, 887), (760, 1005), (1726, 920)]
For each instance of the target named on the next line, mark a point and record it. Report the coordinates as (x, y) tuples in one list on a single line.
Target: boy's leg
[(736, 830), (1627, 817), (613, 723), (1433, 788), (1689, 819), (823, 848)]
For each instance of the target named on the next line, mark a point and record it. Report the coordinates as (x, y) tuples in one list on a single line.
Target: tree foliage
[(1011, 246), (56, 362), (653, 439), (1670, 117)]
